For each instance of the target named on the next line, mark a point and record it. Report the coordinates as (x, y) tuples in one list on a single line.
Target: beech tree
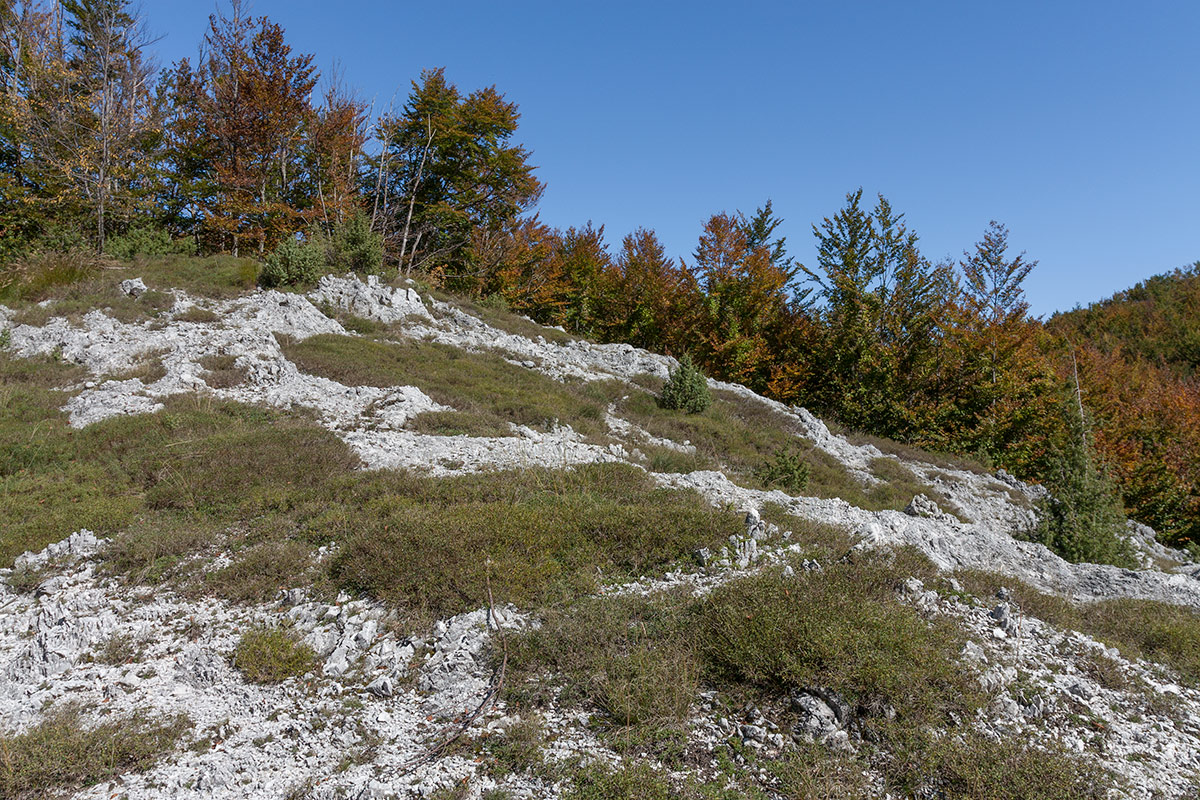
[(245, 119), (745, 280), (645, 298)]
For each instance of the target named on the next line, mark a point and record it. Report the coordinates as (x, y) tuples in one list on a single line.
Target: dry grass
[(458, 423), (502, 319), (222, 371), (61, 754), (197, 314)]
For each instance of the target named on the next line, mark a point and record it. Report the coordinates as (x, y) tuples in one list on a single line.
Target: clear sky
[(1076, 124)]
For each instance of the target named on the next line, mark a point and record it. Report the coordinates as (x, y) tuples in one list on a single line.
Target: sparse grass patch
[(197, 314), (519, 748), (222, 371), (901, 485), (26, 579), (36, 277), (910, 452), (970, 766), (151, 550), (79, 282), (625, 782), (746, 438), (215, 277), (821, 540), (814, 772), (148, 369), (1156, 631), (474, 383), (353, 322), (272, 655), (502, 319), (99, 292), (118, 649), (458, 423), (60, 754), (259, 572)]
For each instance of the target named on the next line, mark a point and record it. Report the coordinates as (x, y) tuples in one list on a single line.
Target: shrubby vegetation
[(639, 662), (686, 389), (271, 655), (293, 263)]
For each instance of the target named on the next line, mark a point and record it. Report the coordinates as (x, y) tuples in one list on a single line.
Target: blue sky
[(1074, 123)]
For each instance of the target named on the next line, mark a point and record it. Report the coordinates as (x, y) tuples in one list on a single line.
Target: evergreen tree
[(1082, 519)]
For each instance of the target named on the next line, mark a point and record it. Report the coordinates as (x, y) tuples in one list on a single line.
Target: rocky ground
[(371, 720)]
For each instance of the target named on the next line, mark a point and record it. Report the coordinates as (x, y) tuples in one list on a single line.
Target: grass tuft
[(272, 655)]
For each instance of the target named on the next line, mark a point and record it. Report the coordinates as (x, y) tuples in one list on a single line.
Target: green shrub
[(271, 655), (293, 263), (686, 389), (843, 628), (147, 242), (519, 748), (789, 472), (357, 248)]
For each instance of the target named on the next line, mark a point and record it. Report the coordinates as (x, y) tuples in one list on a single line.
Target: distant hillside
[(1138, 354), (1155, 320)]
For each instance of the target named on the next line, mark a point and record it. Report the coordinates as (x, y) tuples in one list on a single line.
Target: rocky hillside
[(368, 543)]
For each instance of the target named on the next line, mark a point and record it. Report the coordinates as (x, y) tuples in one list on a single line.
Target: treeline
[(239, 153)]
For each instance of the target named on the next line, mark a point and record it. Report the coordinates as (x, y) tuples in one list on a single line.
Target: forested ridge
[(249, 150)]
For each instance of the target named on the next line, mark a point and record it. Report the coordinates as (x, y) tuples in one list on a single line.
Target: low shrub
[(686, 389), (272, 655), (788, 471), (147, 242), (429, 546), (357, 248), (293, 263), (222, 371)]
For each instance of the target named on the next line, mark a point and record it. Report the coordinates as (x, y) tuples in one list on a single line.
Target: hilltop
[(365, 539)]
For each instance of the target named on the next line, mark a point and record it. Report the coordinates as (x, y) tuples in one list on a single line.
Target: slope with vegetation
[(280, 532), (557, 597)]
